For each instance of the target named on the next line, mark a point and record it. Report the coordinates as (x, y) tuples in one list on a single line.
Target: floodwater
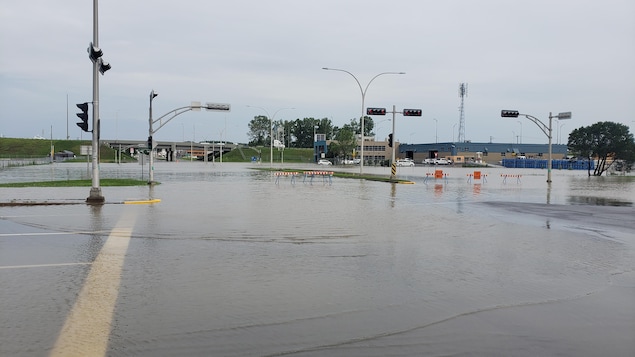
[(231, 263)]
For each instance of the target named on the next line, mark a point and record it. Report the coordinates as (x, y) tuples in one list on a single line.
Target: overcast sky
[(536, 56)]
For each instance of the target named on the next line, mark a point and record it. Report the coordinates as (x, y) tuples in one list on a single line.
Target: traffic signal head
[(103, 66), (94, 52), (376, 111), (412, 112), (390, 140), (83, 116), (509, 113)]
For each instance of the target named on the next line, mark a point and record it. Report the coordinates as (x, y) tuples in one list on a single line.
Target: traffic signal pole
[(95, 196), (392, 155)]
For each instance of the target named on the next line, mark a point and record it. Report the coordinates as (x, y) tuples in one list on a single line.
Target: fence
[(23, 161), (542, 164)]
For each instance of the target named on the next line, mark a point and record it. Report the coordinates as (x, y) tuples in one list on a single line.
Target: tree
[(259, 131), (344, 144), (604, 141)]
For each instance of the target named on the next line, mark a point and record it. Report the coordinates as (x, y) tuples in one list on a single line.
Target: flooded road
[(230, 263)]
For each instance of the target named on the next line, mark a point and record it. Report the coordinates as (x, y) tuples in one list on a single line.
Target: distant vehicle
[(405, 162), (428, 161), (324, 162), (348, 162), (442, 162)]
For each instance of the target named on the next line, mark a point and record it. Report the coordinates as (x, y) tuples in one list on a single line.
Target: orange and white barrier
[(286, 173), (477, 175), (324, 174), (505, 176), (437, 175)]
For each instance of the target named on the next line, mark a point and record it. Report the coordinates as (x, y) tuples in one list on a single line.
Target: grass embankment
[(348, 175), (28, 148)]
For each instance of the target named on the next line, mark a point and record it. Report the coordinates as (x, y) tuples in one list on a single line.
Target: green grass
[(28, 148), (77, 183), (348, 175)]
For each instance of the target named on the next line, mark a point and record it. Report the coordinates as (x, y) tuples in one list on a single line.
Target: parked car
[(442, 162), (350, 161), (405, 162), (324, 162), (428, 161)]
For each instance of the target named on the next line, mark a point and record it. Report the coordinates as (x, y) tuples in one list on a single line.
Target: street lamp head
[(153, 94)]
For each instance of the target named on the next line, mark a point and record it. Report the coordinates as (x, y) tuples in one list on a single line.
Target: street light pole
[(270, 130), (436, 126), (153, 94), (315, 158), (363, 92), (178, 111), (547, 130)]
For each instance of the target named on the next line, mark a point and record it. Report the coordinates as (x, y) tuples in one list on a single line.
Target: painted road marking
[(42, 265), (47, 234), (87, 327)]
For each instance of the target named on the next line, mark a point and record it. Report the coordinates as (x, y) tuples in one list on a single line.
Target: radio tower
[(462, 94)]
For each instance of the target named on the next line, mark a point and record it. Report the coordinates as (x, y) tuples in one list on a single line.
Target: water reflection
[(231, 264), (597, 201)]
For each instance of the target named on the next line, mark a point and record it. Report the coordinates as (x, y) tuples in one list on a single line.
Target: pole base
[(95, 196)]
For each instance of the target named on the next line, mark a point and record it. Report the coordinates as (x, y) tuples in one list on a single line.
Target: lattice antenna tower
[(462, 95)]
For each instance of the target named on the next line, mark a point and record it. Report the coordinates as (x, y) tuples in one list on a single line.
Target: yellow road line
[(140, 202), (87, 327)]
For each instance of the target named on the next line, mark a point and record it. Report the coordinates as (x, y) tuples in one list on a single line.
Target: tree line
[(607, 142), (299, 133)]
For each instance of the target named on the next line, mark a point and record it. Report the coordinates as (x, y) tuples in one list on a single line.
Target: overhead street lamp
[(175, 112), (545, 129), (270, 130), (363, 92)]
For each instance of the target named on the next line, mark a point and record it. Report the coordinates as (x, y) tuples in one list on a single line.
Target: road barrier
[(505, 176), (438, 174), (285, 173), (324, 174), (477, 175)]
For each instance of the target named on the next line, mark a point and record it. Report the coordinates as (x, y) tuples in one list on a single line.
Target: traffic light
[(509, 113), (390, 139), (83, 116), (376, 111), (150, 142), (103, 66), (94, 52), (412, 112)]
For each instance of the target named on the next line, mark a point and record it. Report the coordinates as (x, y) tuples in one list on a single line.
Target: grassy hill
[(29, 148)]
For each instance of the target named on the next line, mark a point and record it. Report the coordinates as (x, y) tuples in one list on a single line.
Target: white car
[(428, 161), (442, 162), (324, 162), (405, 162)]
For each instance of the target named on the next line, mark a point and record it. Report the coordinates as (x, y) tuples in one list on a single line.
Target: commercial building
[(466, 152)]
